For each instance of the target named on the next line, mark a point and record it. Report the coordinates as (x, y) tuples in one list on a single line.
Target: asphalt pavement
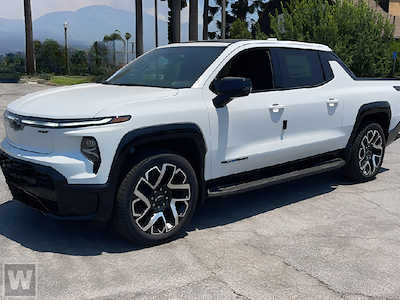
[(321, 237)]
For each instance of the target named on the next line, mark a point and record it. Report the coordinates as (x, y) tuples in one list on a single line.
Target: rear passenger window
[(300, 68)]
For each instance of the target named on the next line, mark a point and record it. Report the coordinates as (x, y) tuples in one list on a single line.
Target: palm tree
[(30, 60), (208, 15), (139, 28), (170, 22), (205, 20), (116, 35), (193, 20), (176, 21), (127, 37)]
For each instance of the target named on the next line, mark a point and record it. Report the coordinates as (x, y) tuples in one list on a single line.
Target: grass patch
[(71, 80)]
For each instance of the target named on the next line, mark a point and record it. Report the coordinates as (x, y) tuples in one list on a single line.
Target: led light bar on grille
[(73, 123)]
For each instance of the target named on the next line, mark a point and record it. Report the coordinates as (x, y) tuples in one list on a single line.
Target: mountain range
[(85, 26)]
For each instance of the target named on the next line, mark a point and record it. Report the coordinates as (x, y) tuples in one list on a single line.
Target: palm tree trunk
[(30, 59), (176, 21), (139, 28), (193, 20), (205, 20)]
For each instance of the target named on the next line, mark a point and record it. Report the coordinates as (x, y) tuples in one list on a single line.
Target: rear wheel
[(367, 154), (156, 199)]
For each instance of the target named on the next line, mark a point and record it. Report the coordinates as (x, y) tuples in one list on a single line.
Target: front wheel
[(366, 154), (156, 199)]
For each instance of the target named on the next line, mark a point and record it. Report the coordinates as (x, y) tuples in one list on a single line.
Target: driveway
[(320, 237)]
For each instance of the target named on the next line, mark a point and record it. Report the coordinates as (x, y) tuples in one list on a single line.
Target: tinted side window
[(254, 64), (328, 73), (300, 68)]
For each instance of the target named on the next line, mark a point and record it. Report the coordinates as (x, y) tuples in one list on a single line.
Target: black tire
[(156, 199), (367, 154)]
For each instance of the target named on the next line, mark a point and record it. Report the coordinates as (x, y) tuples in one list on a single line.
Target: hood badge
[(43, 131)]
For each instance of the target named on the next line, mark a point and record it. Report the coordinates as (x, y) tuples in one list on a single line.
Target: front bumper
[(46, 190)]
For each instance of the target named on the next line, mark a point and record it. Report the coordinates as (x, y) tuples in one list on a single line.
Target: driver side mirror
[(230, 88)]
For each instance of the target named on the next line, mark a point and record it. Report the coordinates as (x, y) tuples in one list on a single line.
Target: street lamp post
[(156, 24), (66, 47)]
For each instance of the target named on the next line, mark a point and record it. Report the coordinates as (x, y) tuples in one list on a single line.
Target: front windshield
[(172, 67)]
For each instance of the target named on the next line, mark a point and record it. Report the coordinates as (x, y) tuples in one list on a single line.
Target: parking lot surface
[(321, 237)]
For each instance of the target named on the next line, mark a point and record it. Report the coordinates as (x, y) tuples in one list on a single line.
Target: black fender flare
[(145, 135), (364, 111)]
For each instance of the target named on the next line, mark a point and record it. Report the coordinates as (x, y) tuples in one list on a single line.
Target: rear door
[(313, 102)]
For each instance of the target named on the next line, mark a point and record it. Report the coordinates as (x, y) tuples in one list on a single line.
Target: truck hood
[(83, 101)]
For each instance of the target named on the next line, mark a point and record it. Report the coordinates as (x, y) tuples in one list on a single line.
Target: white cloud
[(162, 17), (185, 15), (162, 11)]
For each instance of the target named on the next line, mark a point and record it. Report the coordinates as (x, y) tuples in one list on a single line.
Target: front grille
[(29, 185)]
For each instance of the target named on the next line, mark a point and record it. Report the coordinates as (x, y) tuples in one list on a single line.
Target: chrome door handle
[(332, 101), (276, 107)]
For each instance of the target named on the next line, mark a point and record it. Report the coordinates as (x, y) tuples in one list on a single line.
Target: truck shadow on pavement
[(34, 231)]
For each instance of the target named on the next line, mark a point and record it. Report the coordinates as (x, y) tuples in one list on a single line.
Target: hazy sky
[(13, 9)]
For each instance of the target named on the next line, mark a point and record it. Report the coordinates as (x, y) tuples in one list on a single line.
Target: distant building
[(388, 8)]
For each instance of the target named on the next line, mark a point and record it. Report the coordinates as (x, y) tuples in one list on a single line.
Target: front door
[(248, 133)]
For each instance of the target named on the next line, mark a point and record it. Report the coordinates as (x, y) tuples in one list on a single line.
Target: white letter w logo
[(20, 278)]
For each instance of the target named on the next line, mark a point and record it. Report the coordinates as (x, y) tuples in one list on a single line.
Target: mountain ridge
[(85, 26)]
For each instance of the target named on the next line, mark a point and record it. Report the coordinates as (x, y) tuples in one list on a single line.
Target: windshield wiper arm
[(129, 84)]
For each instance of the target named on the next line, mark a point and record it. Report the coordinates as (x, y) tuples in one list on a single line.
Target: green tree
[(15, 61), (115, 36), (360, 36), (79, 64), (239, 30), (49, 56), (12, 66), (257, 32), (98, 59), (240, 9)]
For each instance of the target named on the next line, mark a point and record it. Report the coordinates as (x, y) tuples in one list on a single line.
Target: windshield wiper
[(128, 84)]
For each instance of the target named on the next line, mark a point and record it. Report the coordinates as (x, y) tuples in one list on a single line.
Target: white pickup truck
[(190, 121)]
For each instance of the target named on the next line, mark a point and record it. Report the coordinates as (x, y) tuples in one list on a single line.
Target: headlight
[(92, 122)]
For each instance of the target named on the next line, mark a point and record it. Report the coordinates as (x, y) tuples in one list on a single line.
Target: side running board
[(261, 183)]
